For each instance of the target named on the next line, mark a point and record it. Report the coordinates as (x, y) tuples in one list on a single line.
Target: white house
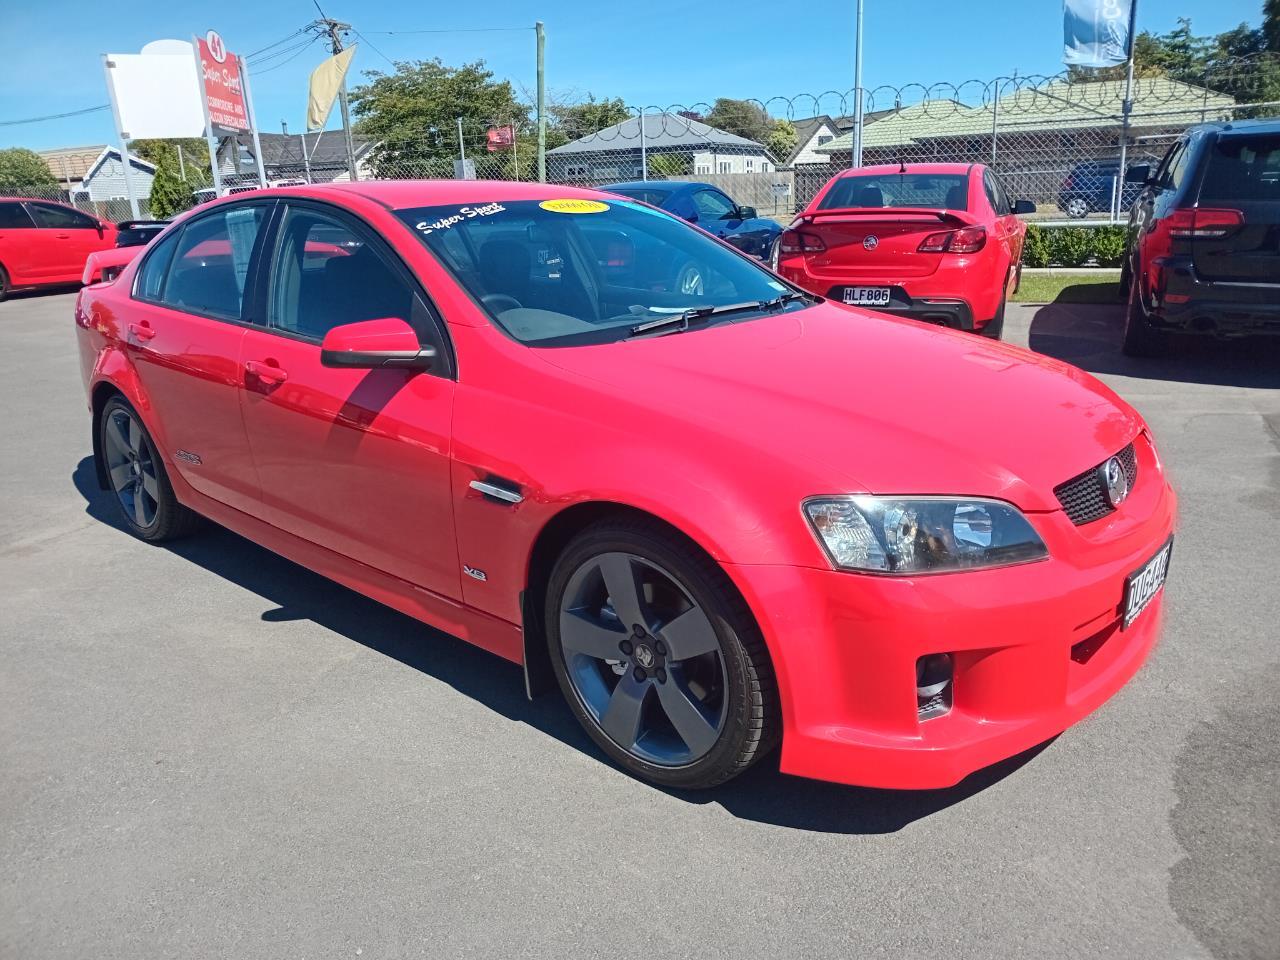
[(104, 180)]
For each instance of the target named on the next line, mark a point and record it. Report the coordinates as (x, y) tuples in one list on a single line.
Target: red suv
[(44, 243), (939, 242)]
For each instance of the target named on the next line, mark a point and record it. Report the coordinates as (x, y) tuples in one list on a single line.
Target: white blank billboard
[(156, 94)]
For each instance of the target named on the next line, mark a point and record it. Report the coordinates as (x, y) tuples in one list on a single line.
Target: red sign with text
[(223, 91)]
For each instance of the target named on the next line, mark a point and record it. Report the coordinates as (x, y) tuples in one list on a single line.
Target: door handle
[(266, 372), (64, 236), (141, 331)]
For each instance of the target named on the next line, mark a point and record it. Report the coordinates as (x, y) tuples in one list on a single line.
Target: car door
[(1009, 229), (357, 461), (716, 214), (68, 237), (186, 319), (21, 254)]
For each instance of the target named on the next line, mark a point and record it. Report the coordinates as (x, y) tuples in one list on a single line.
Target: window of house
[(824, 138), (751, 164), (726, 166)]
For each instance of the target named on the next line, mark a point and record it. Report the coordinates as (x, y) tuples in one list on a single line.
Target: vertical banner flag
[(223, 90), (500, 138), (1096, 32), (326, 81)]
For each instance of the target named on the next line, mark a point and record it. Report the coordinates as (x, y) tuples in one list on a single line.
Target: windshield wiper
[(783, 300), (679, 322)]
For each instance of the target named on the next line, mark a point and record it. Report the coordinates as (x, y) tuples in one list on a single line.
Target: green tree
[(22, 169), (1271, 24), (412, 114), (571, 121), (669, 164), (742, 117), (782, 139), (169, 193)]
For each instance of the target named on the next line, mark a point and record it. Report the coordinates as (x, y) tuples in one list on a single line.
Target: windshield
[(574, 271), (938, 190)]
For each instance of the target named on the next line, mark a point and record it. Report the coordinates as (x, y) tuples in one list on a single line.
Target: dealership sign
[(223, 84)]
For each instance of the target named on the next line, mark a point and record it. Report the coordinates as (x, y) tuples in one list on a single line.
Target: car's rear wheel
[(995, 326), (4, 284), (135, 472), (1140, 338), (659, 657), (1076, 208)]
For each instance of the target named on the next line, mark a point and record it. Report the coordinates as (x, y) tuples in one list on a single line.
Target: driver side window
[(710, 205), (325, 275)]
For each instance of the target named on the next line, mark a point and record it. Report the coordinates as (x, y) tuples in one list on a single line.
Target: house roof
[(1157, 102), (109, 153), (72, 163), (660, 130), (324, 149)]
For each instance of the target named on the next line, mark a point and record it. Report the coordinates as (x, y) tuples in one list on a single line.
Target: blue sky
[(659, 52)]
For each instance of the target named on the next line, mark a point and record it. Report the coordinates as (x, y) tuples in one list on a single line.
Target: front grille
[(1084, 497)]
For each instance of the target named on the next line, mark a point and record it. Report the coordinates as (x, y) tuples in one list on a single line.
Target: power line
[(295, 33), (299, 51), (55, 116), (284, 52), (396, 33), (372, 47)]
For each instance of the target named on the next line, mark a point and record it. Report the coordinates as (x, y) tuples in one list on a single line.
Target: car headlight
[(907, 535)]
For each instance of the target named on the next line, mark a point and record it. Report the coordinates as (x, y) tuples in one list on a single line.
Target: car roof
[(883, 168), (400, 194), (1263, 125), (657, 186)]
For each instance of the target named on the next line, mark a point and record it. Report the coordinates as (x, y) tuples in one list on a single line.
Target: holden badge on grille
[(1114, 481)]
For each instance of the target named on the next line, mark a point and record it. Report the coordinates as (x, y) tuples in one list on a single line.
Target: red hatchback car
[(939, 242), (44, 243), (716, 520)]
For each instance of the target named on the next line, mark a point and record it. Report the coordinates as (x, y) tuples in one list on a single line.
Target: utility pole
[(334, 29), (542, 101), (856, 153)]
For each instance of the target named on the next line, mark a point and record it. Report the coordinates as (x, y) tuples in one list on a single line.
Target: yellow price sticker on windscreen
[(574, 206)]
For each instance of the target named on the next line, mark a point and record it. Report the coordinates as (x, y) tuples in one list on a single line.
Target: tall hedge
[(1073, 246)]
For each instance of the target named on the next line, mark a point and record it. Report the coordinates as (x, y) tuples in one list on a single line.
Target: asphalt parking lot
[(210, 752)]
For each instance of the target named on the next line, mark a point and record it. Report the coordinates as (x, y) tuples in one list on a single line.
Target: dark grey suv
[(1203, 254)]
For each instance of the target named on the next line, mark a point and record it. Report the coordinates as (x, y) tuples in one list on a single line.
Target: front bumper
[(1035, 648)]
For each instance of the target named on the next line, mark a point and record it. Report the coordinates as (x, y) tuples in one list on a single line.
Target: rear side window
[(654, 197), (150, 282), (53, 217), (940, 190), (211, 263), (1243, 168), (14, 217)]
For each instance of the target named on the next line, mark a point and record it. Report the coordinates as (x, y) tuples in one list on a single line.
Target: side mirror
[(375, 344), (747, 213), (1023, 206), (1138, 173)]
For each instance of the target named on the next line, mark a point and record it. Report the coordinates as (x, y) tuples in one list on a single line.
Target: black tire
[(4, 284), (1140, 338), (994, 329), (749, 722), (144, 496)]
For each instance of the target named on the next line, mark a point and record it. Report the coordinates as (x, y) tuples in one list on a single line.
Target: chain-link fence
[(1057, 140)]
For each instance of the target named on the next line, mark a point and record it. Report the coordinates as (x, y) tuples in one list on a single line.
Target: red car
[(44, 243), (939, 242), (719, 521)]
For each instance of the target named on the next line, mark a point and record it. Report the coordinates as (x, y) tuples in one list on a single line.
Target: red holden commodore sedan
[(718, 521), (940, 242)]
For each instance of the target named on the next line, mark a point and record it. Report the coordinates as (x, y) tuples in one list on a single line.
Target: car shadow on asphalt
[(1088, 336), (762, 794)]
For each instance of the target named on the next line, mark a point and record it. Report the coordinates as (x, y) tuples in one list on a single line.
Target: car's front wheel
[(1076, 207), (659, 657), (136, 475)]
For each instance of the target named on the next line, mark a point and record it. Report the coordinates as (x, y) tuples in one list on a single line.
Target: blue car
[(709, 208)]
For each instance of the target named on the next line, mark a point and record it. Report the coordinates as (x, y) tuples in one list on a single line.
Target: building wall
[(807, 154), (108, 182)]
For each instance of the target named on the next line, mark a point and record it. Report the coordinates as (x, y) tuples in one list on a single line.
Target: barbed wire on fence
[(1055, 140)]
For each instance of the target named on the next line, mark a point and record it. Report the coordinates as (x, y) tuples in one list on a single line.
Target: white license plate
[(867, 296), (1141, 586)]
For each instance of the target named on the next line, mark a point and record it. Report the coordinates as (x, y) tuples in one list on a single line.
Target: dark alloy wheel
[(135, 473), (658, 658)]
